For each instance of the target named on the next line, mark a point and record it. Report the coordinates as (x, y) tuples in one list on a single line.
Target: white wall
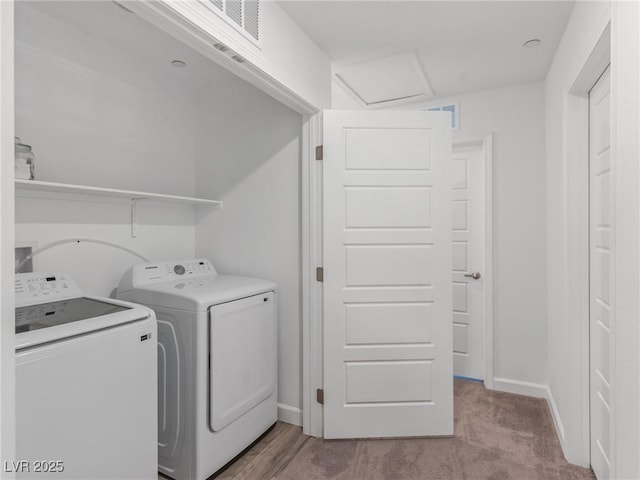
[(96, 115), (291, 57), (515, 115), (566, 362), (625, 113), (164, 233), (248, 155), (341, 99)]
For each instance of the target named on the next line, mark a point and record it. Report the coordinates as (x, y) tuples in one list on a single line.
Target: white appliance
[(86, 383), (217, 361)]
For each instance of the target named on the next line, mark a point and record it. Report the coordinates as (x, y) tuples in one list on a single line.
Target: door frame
[(312, 293), (575, 434), (592, 241), (312, 297)]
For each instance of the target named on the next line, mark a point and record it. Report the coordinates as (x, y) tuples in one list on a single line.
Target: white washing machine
[(86, 384), (217, 361)]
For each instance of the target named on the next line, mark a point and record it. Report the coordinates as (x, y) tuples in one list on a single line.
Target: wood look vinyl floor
[(269, 456), (498, 436), (266, 457)]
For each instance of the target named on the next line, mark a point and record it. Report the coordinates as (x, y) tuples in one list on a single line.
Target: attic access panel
[(395, 78)]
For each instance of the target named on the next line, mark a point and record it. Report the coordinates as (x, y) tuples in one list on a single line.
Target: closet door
[(387, 274), (468, 269)]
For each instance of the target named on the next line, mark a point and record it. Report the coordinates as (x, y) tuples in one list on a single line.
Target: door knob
[(474, 275)]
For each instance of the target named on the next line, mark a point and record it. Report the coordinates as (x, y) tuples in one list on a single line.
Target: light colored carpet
[(498, 436)]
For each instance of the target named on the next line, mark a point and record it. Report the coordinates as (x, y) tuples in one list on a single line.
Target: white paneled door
[(468, 267), (601, 263), (387, 274)]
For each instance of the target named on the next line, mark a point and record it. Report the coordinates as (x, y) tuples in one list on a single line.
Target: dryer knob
[(179, 270)]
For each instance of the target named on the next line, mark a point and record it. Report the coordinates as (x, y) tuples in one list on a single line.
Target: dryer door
[(242, 349)]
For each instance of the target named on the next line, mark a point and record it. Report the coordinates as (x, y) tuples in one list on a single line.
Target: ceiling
[(463, 46), (134, 38)]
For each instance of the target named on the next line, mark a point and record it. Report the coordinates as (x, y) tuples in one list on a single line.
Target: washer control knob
[(179, 269)]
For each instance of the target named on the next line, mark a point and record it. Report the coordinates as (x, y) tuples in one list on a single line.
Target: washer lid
[(52, 321), (198, 294)]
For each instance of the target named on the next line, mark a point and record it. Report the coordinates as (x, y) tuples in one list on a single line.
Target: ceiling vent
[(242, 14), (390, 80)]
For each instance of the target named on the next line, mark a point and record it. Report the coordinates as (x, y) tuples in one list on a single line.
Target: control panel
[(39, 313), (146, 273), (34, 288)]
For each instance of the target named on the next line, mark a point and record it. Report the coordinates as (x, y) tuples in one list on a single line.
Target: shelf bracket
[(134, 217)]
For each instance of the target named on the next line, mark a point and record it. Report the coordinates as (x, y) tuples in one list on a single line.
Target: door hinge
[(319, 152), (319, 274), (320, 396)]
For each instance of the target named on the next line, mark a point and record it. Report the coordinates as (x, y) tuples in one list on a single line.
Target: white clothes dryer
[(217, 361)]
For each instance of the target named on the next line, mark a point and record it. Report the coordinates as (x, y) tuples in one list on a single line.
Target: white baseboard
[(557, 421), (289, 414), (521, 388), (541, 391), (534, 390)]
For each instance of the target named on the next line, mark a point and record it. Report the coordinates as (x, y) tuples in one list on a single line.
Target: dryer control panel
[(35, 288), (148, 273)]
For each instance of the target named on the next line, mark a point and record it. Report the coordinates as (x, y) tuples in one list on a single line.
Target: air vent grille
[(234, 11), (244, 14), (251, 17)]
